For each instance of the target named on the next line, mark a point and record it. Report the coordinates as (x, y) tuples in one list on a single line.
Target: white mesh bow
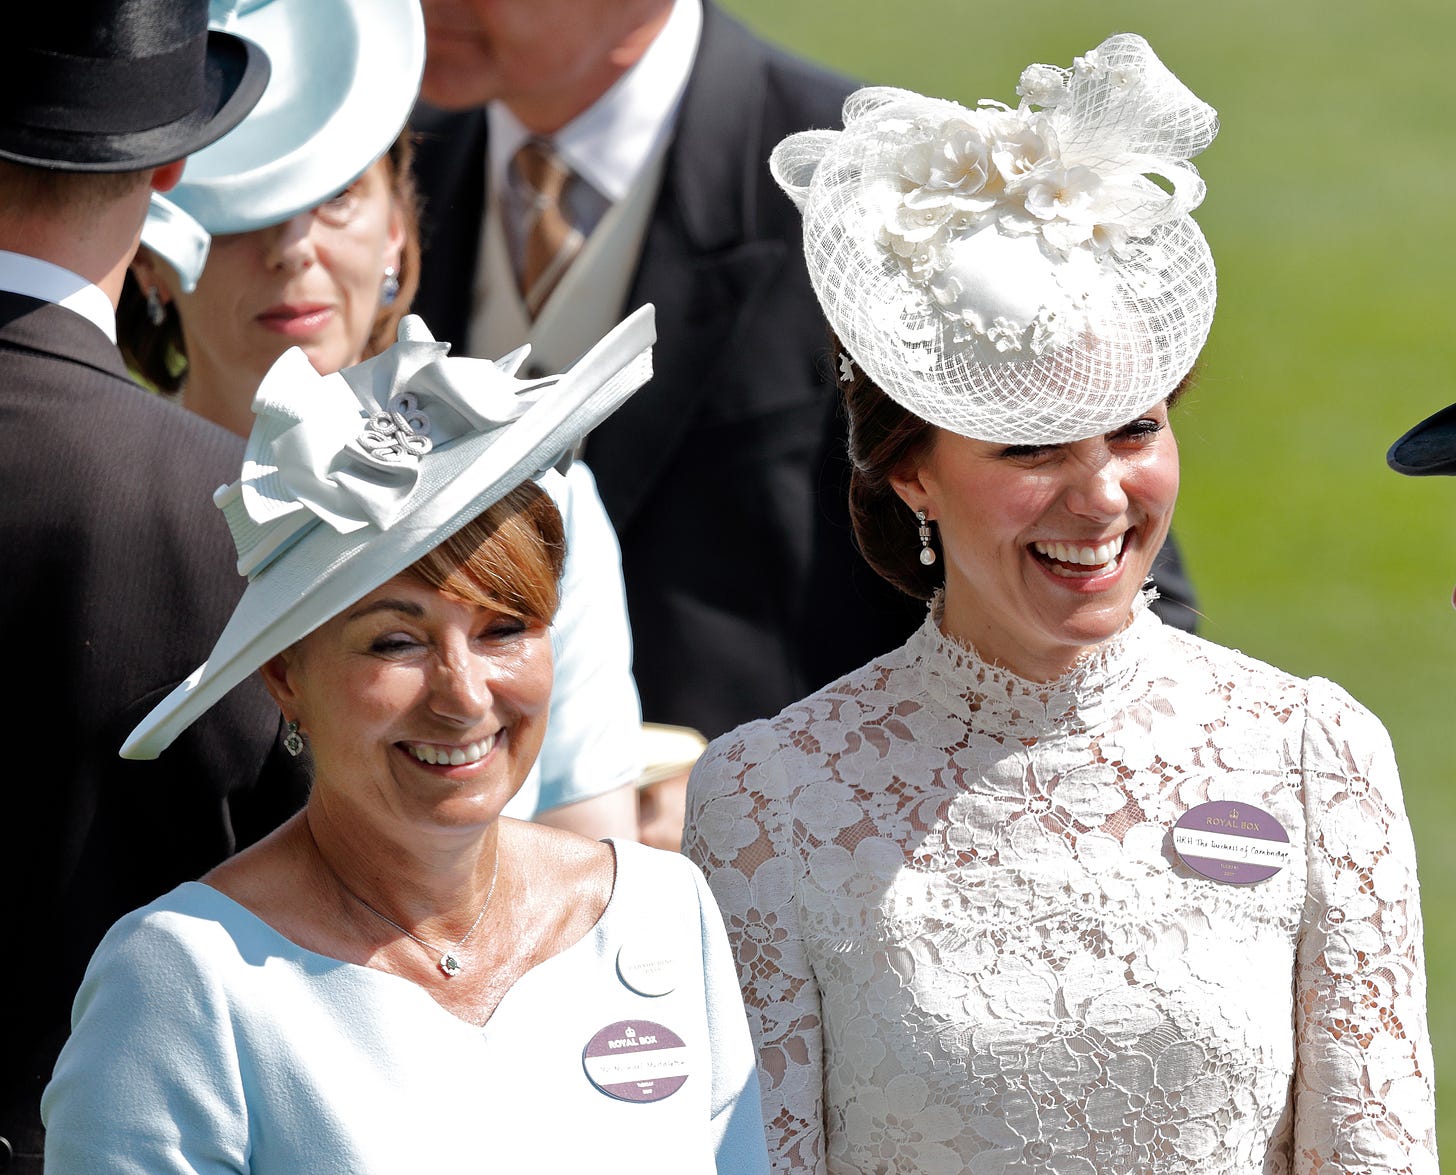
[(1015, 274)]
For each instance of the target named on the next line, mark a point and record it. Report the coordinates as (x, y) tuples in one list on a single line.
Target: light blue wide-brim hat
[(349, 478), (345, 76)]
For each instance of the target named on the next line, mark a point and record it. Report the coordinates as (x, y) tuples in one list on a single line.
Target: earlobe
[(144, 268), (168, 176), (156, 281), (274, 673), (910, 489), (394, 250)]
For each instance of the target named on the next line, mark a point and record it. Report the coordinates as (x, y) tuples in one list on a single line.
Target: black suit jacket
[(726, 475), (119, 574)]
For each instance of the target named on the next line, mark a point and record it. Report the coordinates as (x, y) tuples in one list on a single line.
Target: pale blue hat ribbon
[(345, 449), (178, 239)]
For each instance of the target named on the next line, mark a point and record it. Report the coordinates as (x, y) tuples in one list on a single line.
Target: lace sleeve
[(1363, 1083), (738, 833)]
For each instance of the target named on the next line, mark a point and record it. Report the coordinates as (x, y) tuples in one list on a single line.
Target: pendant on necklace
[(450, 965)]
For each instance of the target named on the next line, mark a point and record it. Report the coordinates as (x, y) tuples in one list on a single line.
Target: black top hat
[(1428, 448), (120, 85)]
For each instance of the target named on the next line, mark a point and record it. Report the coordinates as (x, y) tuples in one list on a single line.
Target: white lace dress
[(967, 944)]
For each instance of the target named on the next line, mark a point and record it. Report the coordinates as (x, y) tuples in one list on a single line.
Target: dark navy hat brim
[(1427, 449)]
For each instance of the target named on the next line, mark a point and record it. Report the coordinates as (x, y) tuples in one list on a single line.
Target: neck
[(994, 644), (435, 893), (226, 399), (99, 245)]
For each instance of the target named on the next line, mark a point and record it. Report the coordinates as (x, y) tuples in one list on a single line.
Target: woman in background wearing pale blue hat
[(299, 228), (399, 978)]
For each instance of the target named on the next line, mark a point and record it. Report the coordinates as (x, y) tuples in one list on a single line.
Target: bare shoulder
[(269, 877), (569, 878), (572, 862)]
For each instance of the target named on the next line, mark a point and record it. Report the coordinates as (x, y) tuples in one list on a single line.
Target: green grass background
[(1331, 213)]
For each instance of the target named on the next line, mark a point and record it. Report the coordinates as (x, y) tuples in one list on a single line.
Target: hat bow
[(345, 449)]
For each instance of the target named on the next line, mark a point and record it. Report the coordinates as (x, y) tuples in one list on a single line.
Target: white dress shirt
[(22, 274), (610, 143)]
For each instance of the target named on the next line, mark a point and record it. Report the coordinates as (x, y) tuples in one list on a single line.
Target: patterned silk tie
[(551, 240)]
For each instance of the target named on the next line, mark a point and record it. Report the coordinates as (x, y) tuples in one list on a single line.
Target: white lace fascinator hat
[(1020, 275), (349, 478)]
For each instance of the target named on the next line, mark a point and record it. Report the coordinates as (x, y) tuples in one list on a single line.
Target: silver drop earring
[(156, 312), (293, 741), (927, 552), (389, 287)]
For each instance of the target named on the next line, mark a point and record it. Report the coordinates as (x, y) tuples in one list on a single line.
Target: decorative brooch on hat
[(1024, 274), (345, 448)]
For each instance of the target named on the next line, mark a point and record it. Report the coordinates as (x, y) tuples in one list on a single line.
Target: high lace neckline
[(967, 942), (996, 698)]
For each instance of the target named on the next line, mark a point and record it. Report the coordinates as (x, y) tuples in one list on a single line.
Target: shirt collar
[(610, 142), (21, 274)]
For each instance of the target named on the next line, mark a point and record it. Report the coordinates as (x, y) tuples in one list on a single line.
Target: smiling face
[(1045, 549), (313, 282), (423, 712)]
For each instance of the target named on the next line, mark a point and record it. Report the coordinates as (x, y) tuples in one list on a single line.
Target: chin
[(1098, 625), (461, 81), (326, 357)]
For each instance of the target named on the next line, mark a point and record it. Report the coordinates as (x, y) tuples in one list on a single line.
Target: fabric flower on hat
[(1043, 85), (950, 172), (1003, 167)]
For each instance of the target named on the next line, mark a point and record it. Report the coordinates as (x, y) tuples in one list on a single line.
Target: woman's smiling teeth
[(1071, 559), (451, 756)]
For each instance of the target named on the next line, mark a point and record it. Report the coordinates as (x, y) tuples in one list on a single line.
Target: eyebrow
[(404, 607)]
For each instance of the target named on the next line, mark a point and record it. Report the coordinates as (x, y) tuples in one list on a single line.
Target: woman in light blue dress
[(401, 978)]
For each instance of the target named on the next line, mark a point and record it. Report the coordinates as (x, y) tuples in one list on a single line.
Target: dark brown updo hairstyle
[(883, 439), (157, 352)]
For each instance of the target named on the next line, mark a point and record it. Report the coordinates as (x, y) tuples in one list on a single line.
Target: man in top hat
[(644, 129), (118, 567)]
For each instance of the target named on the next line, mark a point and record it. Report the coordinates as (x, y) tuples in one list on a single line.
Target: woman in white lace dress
[(1053, 887)]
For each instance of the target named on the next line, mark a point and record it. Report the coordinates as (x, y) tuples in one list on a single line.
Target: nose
[(1096, 487), (290, 244), (459, 689)]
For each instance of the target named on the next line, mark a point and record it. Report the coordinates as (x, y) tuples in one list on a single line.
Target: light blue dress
[(204, 1041), (593, 733)]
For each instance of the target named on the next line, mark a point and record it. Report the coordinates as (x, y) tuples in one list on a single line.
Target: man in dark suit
[(726, 475), (119, 570)]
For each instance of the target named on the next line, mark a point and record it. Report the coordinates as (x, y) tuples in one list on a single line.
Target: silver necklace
[(449, 959)]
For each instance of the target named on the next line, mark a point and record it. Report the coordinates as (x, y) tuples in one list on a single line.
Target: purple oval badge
[(1231, 842), (636, 1060)]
